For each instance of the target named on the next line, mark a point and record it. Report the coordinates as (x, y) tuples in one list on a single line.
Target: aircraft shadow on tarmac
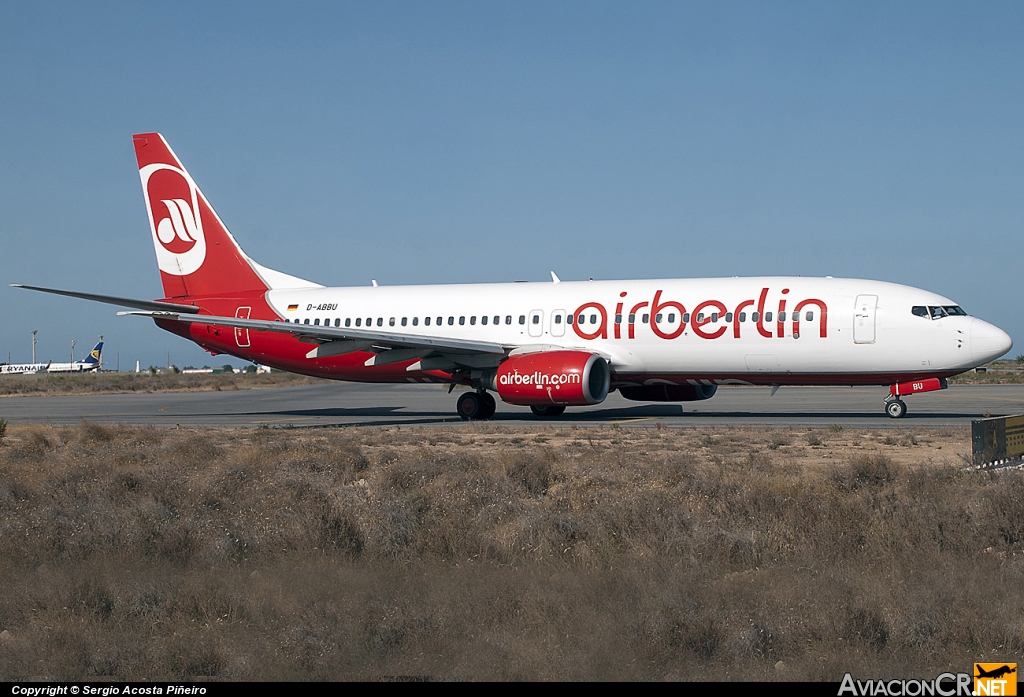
[(399, 415)]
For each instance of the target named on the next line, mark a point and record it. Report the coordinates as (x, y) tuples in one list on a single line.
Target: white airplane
[(89, 364), (545, 345)]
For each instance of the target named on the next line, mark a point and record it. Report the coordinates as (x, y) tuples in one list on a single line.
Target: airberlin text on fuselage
[(701, 315)]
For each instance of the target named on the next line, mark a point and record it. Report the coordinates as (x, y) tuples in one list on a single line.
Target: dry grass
[(495, 553), (94, 383), (1005, 372)]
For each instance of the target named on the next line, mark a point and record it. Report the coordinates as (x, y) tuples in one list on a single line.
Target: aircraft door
[(864, 319), (535, 323), (558, 323), (241, 334)]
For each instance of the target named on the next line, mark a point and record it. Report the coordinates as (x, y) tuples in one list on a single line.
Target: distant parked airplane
[(545, 345), (91, 363)]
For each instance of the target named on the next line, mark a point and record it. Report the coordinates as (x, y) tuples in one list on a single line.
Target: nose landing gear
[(895, 407)]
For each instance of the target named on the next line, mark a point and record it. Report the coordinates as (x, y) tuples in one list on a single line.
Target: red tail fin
[(196, 254)]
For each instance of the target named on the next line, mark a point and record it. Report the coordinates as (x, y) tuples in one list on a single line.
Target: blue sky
[(465, 142)]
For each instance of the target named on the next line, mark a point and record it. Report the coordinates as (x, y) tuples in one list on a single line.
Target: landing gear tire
[(476, 406), (897, 408), (547, 410), (488, 404), (470, 406)]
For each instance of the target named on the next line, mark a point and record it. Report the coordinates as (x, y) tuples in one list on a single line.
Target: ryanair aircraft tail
[(93, 359)]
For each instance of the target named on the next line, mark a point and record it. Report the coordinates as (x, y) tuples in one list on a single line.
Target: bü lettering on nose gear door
[(864, 319)]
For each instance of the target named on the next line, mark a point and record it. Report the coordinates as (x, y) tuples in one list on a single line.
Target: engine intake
[(568, 378), (669, 393)]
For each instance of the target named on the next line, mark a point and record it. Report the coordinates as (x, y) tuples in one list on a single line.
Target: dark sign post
[(998, 440)]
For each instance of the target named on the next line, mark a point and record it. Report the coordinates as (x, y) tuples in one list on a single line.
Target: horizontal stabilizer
[(114, 300)]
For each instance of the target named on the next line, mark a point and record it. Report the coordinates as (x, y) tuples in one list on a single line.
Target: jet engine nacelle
[(669, 393), (566, 378)]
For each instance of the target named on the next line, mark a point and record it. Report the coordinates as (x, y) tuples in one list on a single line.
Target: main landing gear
[(476, 406), (895, 407)]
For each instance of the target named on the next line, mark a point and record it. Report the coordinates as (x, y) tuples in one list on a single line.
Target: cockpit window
[(938, 312)]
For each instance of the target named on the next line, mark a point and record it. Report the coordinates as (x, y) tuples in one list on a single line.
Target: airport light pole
[(34, 345), (72, 354)]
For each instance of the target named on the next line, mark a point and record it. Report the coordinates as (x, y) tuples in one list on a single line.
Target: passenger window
[(809, 316), (522, 319), (472, 320), (483, 319), (714, 316), (316, 322), (508, 319), (359, 321), (405, 321), (767, 317), (426, 321), (558, 319), (348, 321), (415, 321), (796, 316), (645, 319), (618, 319), (536, 319), (497, 319), (462, 320), (919, 311), (593, 319), (700, 317), (439, 322), (568, 319), (743, 317), (369, 321), (671, 317), (728, 317), (782, 316), (686, 317), (657, 317), (391, 322), (755, 316), (451, 321), (305, 321), (632, 319)]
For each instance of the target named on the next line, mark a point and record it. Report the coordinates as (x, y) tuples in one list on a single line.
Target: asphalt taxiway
[(348, 404)]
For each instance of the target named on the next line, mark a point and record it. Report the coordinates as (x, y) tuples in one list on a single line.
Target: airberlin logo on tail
[(172, 201)]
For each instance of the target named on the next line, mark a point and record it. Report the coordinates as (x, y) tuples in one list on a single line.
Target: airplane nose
[(988, 341)]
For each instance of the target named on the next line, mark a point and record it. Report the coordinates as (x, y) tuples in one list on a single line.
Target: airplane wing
[(338, 340)]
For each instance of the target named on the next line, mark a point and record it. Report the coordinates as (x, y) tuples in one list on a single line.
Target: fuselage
[(766, 330)]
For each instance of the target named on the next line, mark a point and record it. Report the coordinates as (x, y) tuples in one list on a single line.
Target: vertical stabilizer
[(196, 254)]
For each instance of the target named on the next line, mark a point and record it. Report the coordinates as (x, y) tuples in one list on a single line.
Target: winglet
[(554, 278)]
